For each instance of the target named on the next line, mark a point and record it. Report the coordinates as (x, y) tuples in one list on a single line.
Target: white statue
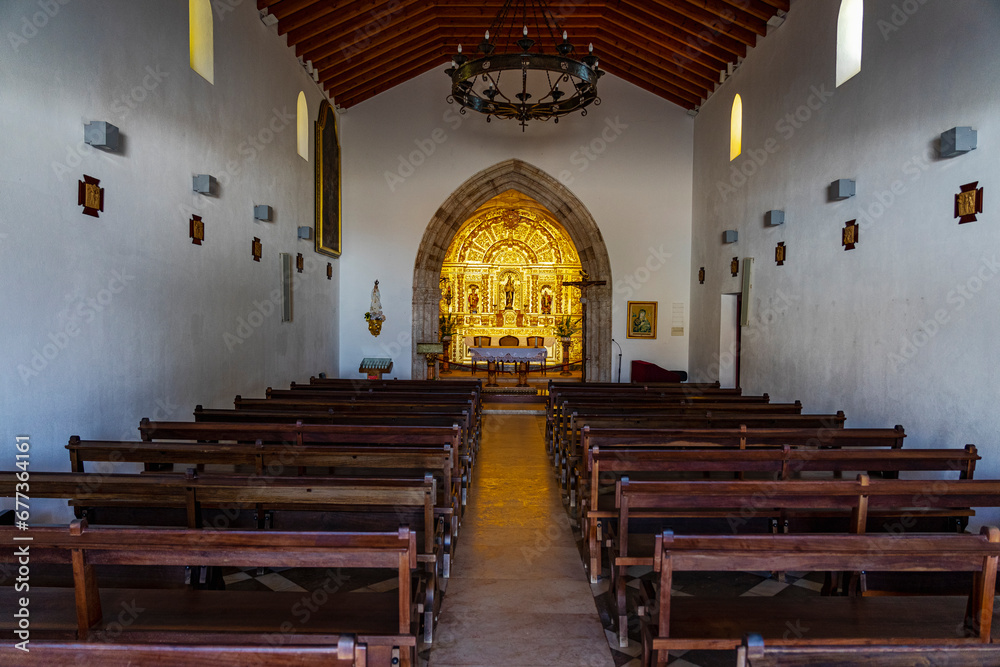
[(375, 312)]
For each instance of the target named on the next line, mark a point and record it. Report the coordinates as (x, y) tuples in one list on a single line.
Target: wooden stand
[(491, 374), (522, 374), (375, 366), (446, 342), (566, 342), (433, 352)]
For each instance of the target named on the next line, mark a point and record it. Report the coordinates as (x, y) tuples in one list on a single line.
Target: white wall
[(407, 150), (856, 330), (122, 316)]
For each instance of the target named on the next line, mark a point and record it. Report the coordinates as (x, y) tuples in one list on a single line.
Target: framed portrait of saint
[(641, 319), (328, 223)]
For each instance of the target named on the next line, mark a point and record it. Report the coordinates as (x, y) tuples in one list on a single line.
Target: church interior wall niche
[(503, 275)]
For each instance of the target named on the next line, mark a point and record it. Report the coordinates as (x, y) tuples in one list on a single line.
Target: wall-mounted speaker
[(101, 134), (958, 141)]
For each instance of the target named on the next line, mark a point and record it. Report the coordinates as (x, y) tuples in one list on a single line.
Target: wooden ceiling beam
[(672, 48), (729, 14), (680, 27), (649, 87), (756, 8), (355, 18), (346, 38), (627, 39), (773, 4), (376, 57), (394, 44), (351, 80), (714, 59), (705, 19), (639, 65), (335, 51), (395, 37), (286, 8), (348, 99), (635, 65), (307, 15)]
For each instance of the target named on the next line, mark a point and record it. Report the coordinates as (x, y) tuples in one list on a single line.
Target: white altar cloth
[(522, 341), (509, 354)]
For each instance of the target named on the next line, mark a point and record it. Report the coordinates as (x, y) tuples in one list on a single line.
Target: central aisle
[(518, 594)]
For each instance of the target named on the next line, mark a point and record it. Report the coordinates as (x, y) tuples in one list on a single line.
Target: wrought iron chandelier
[(536, 76)]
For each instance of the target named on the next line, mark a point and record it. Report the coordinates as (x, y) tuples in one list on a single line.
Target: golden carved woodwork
[(510, 239), (91, 196), (969, 202)]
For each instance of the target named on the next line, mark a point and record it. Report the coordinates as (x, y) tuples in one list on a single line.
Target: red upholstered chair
[(644, 371)]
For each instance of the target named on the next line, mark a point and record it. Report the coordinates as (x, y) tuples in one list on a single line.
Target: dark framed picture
[(328, 223), (641, 319)]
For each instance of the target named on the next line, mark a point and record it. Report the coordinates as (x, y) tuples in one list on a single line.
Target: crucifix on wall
[(582, 285)]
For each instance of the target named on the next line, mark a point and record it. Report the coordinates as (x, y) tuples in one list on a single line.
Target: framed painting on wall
[(641, 319), (328, 223)]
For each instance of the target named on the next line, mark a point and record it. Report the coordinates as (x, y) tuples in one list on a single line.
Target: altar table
[(518, 355)]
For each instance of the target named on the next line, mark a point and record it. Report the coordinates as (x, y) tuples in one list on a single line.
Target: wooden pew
[(382, 622), (755, 652), (421, 389), (320, 414), (566, 430), (710, 624), (828, 436), (463, 413), (298, 434), (606, 466), (401, 385), (742, 506), (299, 503), (333, 651), (275, 459), (683, 429), (560, 401)]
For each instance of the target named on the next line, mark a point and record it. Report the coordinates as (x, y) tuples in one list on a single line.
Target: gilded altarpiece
[(503, 276)]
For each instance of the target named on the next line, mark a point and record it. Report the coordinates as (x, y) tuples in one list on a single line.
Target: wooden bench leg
[(88, 597), (622, 610), (593, 549)]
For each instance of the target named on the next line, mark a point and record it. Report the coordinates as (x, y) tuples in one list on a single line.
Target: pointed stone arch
[(564, 206)]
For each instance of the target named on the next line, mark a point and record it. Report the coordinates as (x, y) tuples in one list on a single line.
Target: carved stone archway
[(564, 206)]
